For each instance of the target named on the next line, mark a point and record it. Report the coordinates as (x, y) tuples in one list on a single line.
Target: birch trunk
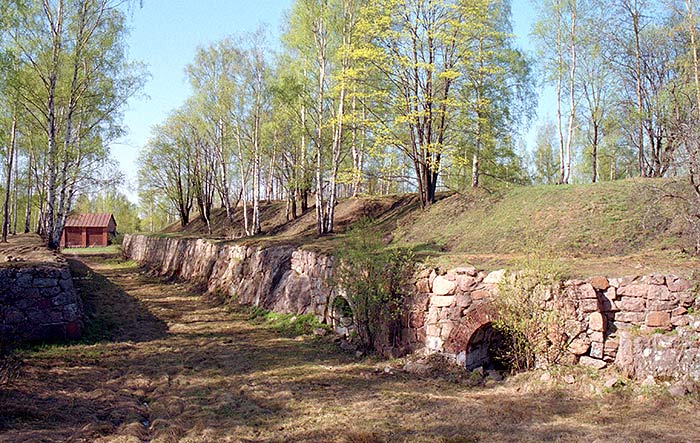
[(8, 180)]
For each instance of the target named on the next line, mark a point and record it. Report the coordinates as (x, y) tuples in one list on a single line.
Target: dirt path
[(169, 365)]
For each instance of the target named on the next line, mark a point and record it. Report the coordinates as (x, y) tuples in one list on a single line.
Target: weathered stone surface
[(597, 322), (677, 284), (442, 301), (630, 317), (654, 279), (634, 290), (443, 286), (580, 346), (600, 283), (466, 270), (681, 320), (463, 300), (658, 320), (661, 305), (597, 350), (588, 305), (481, 295), (592, 362), (38, 303), (659, 293), (632, 304), (674, 356), (586, 291), (611, 347), (466, 283), (495, 277), (679, 311), (423, 285)]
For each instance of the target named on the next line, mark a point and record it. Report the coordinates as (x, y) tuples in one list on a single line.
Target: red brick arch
[(473, 320)]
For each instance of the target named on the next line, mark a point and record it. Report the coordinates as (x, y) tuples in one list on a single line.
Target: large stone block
[(600, 283), (495, 277), (658, 319), (592, 362), (443, 286), (632, 304), (442, 301), (597, 322), (634, 290), (630, 317), (463, 300), (580, 346), (677, 284)]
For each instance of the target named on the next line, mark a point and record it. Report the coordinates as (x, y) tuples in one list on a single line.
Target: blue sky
[(165, 35)]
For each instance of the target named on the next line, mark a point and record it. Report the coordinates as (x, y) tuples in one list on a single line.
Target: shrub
[(374, 279), (533, 314)]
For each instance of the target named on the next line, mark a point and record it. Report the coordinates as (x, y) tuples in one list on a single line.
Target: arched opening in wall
[(489, 348), (342, 318)]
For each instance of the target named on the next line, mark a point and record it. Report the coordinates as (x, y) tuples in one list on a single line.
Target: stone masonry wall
[(643, 324), (280, 278), (39, 303)]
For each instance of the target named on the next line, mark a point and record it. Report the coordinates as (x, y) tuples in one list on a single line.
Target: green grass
[(625, 227), (111, 249), (286, 324), (611, 218)]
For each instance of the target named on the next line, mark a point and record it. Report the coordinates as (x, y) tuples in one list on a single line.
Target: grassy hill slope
[(629, 226)]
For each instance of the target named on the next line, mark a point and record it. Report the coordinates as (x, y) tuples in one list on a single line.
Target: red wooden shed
[(85, 230)]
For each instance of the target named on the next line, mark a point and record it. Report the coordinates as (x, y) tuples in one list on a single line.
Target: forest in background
[(359, 98)]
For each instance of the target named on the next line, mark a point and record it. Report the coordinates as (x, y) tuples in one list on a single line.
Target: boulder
[(580, 346), (443, 286), (495, 277)]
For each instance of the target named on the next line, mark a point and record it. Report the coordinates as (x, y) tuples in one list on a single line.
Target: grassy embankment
[(612, 228)]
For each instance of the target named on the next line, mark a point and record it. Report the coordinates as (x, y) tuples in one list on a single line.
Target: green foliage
[(374, 279), (111, 201), (286, 324), (533, 314)]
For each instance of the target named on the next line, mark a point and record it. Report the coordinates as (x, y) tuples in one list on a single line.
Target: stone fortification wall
[(279, 278), (39, 303), (644, 324)]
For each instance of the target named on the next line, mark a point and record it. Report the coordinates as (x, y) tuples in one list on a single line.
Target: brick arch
[(474, 319)]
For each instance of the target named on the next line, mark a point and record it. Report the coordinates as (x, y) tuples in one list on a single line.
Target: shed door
[(74, 237), (94, 237)]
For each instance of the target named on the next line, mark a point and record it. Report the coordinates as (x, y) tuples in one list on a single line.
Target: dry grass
[(29, 249), (175, 366)]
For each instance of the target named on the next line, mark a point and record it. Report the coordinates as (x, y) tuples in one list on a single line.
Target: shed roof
[(89, 220)]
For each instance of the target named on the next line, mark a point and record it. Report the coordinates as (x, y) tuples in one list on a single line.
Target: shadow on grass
[(111, 313)]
